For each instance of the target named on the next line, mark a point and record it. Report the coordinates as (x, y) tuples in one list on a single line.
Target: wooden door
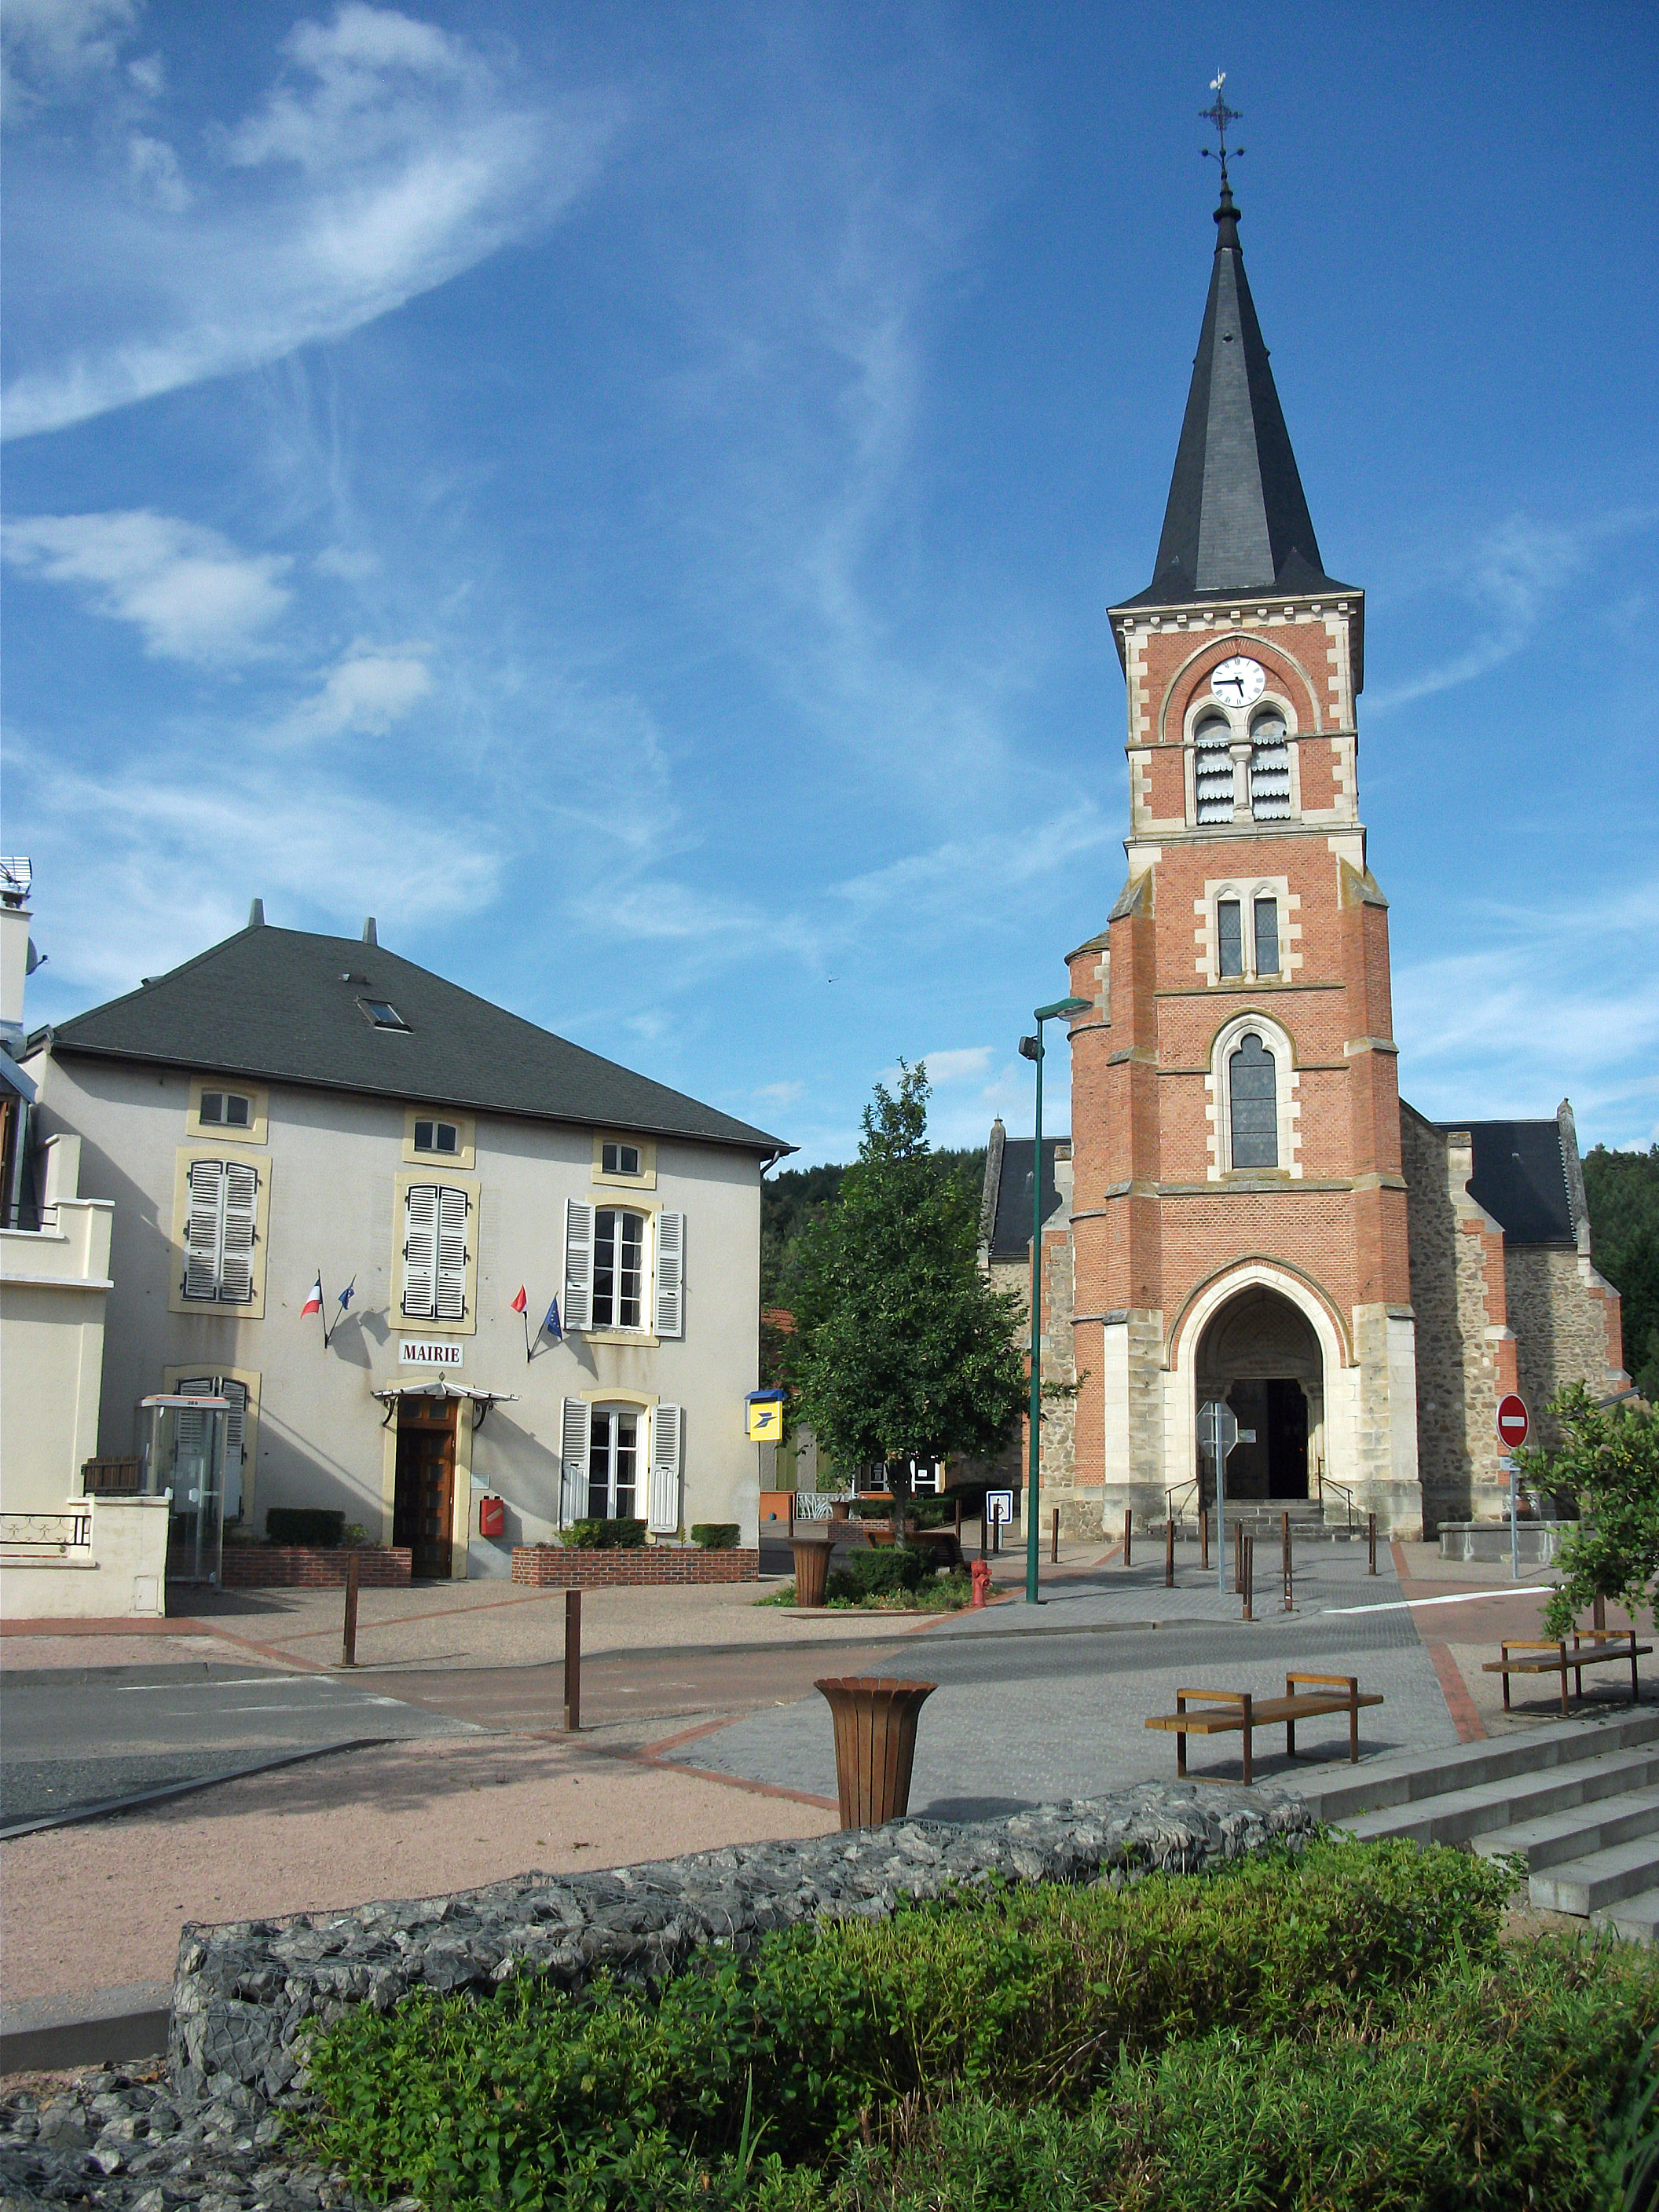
[(423, 1513)]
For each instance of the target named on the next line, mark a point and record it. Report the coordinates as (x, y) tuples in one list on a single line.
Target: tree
[(1608, 1458), (1623, 1191), (901, 1349)]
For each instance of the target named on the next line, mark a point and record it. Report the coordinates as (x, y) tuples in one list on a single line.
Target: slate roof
[(284, 1005), (1237, 519), (1011, 1232), (1520, 1176)]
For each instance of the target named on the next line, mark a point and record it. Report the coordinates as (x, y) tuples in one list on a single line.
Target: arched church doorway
[(1260, 1353)]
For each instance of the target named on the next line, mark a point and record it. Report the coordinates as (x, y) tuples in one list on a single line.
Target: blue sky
[(630, 497)]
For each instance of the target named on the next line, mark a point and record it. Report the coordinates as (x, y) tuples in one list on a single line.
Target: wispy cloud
[(367, 691), (390, 157), (191, 593), (956, 1065), (53, 48), (1510, 579), (1562, 999)]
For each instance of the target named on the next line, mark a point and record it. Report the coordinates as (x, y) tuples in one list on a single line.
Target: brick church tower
[(1237, 1216)]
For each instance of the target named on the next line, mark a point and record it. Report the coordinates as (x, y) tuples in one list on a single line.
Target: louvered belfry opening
[(1270, 768), (1212, 770)]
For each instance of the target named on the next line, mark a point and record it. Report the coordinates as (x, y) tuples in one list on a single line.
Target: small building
[(538, 1268)]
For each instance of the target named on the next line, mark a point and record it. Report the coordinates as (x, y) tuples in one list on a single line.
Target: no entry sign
[(1511, 1421)]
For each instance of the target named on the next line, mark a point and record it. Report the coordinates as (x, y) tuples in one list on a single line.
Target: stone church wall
[(1560, 1311), (1457, 1368)]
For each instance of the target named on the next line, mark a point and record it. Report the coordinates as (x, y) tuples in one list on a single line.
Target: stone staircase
[(1578, 1800)]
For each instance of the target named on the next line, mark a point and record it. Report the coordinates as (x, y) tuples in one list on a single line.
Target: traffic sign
[(1218, 1428), (1511, 1421), (1000, 1505)]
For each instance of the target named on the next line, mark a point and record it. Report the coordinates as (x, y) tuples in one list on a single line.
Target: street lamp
[(1031, 1048)]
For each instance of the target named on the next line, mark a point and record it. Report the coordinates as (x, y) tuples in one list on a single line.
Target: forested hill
[(1623, 1191), (789, 1201)]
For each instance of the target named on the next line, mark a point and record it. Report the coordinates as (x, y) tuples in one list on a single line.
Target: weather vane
[(1221, 115)]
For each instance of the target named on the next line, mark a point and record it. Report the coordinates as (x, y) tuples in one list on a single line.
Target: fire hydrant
[(981, 1574)]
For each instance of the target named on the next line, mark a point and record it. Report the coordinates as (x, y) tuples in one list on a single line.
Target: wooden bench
[(1245, 1713), (1559, 1655)]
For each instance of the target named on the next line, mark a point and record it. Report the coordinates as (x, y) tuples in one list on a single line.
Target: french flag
[(313, 1298), (521, 1301)]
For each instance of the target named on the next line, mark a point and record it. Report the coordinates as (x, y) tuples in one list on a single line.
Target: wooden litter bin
[(812, 1568), (875, 1720)]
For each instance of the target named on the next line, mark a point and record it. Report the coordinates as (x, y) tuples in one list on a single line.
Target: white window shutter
[(574, 1425), (452, 1207), (578, 1265), (235, 1443), (203, 1217), (663, 1518), (236, 1242), (191, 1425), (421, 1252), (671, 1275)]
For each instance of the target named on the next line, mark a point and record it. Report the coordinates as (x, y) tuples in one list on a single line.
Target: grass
[(1339, 2029), (945, 1593)]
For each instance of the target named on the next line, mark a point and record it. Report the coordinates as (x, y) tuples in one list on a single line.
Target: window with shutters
[(613, 1462), (437, 1252), (624, 1271), (219, 1209), (1212, 770)]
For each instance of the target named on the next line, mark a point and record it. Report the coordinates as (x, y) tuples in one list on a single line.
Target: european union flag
[(551, 1324)]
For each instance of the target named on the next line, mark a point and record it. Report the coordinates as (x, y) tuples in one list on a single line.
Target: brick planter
[(310, 1566), (550, 1566)]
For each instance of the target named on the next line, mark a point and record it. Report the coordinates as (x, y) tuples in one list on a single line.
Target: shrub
[(626, 1536), (884, 1573), (304, 1524), (715, 1536), (1107, 2017)]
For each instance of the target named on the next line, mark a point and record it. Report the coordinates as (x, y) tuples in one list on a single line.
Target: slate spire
[(1237, 519)]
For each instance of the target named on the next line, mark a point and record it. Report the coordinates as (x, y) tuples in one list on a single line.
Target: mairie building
[(1245, 1209)]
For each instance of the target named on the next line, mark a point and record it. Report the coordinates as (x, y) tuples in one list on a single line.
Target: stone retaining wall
[(550, 1566), (246, 1994), (313, 1566)]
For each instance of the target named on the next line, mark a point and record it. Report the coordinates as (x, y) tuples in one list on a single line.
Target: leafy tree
[(1608, 1457), (790, 1198), (901, 1349), (1623, 1191)]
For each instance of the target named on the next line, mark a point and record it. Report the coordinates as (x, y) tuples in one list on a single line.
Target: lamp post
[(1031, 1048)]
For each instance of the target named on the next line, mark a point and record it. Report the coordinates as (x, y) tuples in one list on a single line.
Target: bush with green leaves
[(1338, 2029), (888, 1572), (624, 1536), (716, 1536)]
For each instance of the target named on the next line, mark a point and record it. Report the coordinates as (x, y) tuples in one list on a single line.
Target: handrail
[(1170, 1496), (42, 1531), (1342, 1491)]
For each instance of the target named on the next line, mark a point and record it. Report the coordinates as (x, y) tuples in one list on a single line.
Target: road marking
[(1463, 1597), (227, 1682)]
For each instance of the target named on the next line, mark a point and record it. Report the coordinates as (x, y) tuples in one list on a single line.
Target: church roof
[(1011, 1217), (1237, 518), (1519, 1174)]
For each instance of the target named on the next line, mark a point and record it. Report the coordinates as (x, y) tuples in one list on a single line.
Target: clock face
[(1238, 681)]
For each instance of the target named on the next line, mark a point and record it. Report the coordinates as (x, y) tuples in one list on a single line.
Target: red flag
[(521, 1301), (314, 1299)]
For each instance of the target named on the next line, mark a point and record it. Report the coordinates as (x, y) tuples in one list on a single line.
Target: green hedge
[(716, 1536), (304, 1524), (1341, 2029), (884, 1573), (626, 1535)]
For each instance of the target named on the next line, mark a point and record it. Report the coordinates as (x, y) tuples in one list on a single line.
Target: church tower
[(1238, 1209)]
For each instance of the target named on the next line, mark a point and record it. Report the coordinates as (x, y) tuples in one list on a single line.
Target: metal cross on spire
[(1221, 115)]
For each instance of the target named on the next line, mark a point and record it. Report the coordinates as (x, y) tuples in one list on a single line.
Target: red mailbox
[(492, 1516)]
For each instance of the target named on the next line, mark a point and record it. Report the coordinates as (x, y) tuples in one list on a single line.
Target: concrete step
[(1636, 1917), (1407, 1777), (1576, 1830), (1470, 1814), (1586, 1885)]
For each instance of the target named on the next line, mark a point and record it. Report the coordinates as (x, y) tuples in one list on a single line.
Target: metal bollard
[(996, 1539), (1289, 1568), (1248, 1548), (1128, 1533), (958, 1524), (1238, 1558), (1370, 1540), (349, 1636), (1169, 1550), (1053, 1541), (1204, 1542), (984, 1534), (573, 1662)]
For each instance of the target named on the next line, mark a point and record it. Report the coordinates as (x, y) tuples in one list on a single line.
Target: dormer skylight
[(383, 1014)]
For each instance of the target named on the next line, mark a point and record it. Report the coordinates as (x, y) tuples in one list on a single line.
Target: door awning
[(439, 1388)]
